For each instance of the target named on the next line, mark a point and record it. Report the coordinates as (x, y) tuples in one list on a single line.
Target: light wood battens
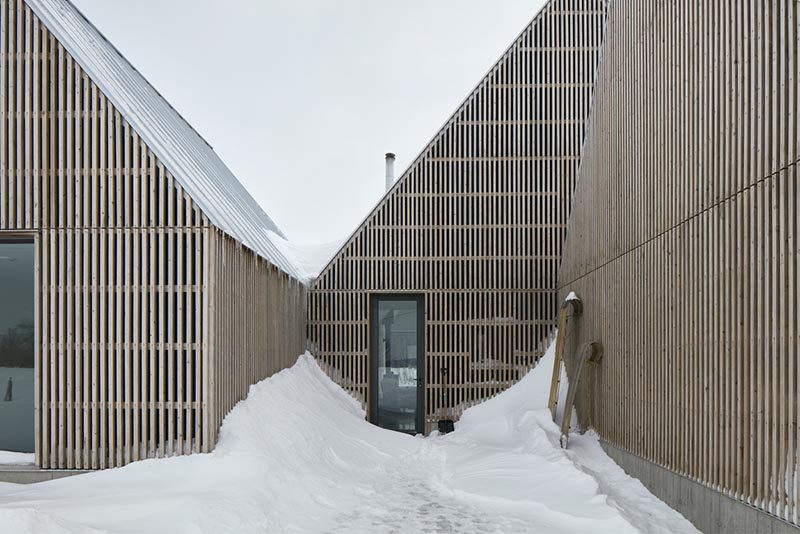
[(476, 224), (150, 322), (683, 244)]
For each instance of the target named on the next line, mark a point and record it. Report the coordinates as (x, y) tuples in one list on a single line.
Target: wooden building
[(446, 294), (157, 296), (683, 246)]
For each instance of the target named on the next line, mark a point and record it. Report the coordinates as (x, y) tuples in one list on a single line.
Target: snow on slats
[(183, 151)]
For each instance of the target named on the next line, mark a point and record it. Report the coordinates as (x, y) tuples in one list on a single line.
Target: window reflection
[(397, 364), (16, 347)]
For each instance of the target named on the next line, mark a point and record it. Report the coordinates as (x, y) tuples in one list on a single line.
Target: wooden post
[(572, 307), (591, 353)]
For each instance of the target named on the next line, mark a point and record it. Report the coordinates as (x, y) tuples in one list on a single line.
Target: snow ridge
[(298, 456)]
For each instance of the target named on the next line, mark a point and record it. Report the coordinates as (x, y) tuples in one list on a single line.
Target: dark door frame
[(373, 359)]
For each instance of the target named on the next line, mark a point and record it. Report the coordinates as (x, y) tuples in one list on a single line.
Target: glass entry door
[(397, 365), (16, 346)]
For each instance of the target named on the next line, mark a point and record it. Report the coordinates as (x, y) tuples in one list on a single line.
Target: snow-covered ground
[(16, 458), (297, 456)]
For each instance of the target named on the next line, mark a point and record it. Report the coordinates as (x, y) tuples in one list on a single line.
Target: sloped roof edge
[(190, 159), (450, 119)]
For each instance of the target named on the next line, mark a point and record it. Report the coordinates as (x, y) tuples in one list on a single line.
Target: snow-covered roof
[(190, 159), (309, 258)]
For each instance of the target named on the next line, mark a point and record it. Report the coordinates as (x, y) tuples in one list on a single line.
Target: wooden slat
[(121, 250), (682, 244), (475, 224)]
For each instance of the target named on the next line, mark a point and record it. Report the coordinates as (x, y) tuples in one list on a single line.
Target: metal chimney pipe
[(389, 170)]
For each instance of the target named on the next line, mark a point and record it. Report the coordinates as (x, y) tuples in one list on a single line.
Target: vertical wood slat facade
[(476, 223), (257, 311), (683, 244), (129, 319)]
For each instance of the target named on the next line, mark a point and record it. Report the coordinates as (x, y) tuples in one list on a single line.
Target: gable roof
[(454, 118), (189, 158)]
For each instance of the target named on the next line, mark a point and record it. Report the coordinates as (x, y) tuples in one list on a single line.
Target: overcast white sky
[(302, 98)]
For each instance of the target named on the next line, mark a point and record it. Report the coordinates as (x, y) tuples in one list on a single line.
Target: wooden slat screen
[(476, 223), (683, 243), (258, 322), (122, 270)]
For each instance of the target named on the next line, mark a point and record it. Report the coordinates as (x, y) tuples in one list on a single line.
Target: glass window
[(16, 347), (397, 364)]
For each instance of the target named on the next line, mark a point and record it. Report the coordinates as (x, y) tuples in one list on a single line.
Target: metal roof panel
[(190, 159)]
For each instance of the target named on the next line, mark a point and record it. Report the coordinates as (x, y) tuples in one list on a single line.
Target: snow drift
[(298, 456)]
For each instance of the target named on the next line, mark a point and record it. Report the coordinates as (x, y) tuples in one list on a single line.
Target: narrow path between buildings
[(298, 456)]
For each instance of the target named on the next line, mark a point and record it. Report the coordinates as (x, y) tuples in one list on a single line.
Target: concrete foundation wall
[(28, 474), (708, 509)]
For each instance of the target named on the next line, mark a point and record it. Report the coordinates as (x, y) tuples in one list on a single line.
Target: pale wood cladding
[(475, 224), (135, 355), (683, 244), (258, 322)]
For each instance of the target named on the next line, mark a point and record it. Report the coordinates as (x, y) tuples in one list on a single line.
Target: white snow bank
[(518, 425), (297, 456), (16, 458), (308, 259)]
